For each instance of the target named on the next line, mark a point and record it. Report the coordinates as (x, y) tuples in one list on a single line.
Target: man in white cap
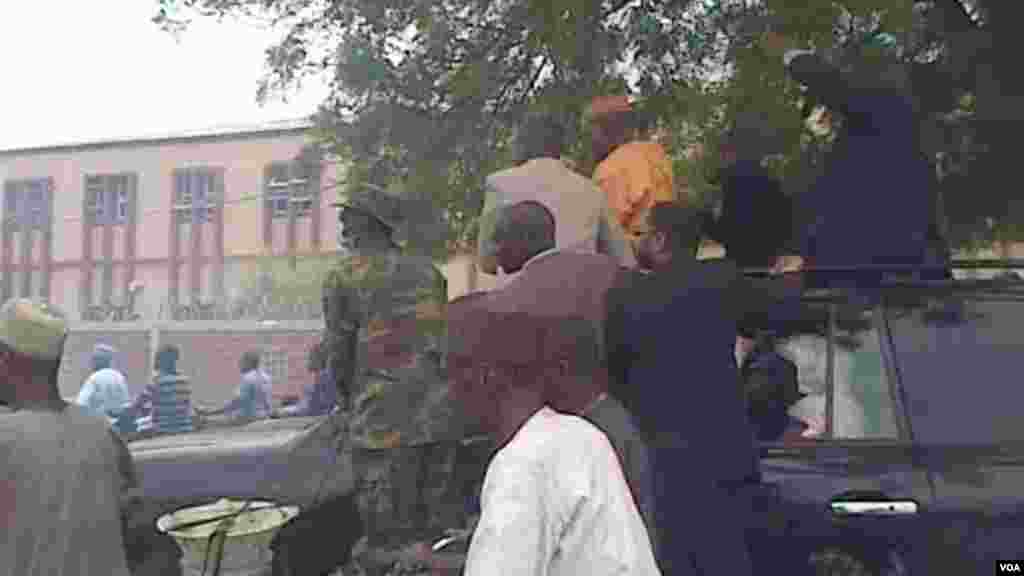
[(105, 392), (65, 475)]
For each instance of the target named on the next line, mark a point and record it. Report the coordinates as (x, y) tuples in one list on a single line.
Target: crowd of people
[(623, 382), (165, 406), (601, 373)]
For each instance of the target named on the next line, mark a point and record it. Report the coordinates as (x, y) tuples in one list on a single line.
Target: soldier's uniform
[(403, 435)]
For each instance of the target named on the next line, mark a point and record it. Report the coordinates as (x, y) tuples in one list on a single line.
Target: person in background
[(771, 383), (399, 427), (585, 222), (756, 220), (67, 480), (880, 136), (252, 400), (554, 500), (320, 397), (170, 395), (671, 341), (105, 392), (633, 173)]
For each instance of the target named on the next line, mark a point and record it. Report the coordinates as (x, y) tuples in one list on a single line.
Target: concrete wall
[(209, 354)]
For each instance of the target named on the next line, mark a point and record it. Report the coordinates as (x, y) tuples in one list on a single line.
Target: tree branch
[(615, 9), (956, 17)]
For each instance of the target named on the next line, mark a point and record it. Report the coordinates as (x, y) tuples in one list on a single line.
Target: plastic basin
[(247, 546)]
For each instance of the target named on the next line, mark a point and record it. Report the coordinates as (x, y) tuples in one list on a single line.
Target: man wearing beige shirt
[(584, 220)]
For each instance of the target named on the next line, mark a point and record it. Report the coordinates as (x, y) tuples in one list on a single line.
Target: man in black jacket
[(670, 338), (756, 220), (875, 204)]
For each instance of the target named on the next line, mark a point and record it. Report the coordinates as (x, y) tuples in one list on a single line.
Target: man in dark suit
[(756, 219), (875, 204), (671, 337)]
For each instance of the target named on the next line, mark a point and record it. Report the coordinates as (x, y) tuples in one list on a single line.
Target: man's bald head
[(522, 231)]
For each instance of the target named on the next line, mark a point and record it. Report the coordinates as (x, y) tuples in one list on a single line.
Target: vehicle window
[(864, 405), (959, 361)]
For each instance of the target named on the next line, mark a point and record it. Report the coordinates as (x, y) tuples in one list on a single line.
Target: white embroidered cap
[(32, 328)]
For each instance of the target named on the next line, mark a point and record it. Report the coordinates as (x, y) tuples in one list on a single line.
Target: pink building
[(185, 217)]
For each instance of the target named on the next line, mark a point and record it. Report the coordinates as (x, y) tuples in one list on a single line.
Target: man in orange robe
[(634, 173)]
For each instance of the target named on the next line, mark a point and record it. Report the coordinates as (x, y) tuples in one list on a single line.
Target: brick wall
[(209, 355)]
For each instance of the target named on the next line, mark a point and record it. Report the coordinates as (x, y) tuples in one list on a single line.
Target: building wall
[(244, 161)]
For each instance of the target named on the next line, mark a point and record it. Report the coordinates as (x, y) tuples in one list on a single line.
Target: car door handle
[(871, 506)]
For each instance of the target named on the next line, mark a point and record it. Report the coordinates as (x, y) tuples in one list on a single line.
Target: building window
[(275, 363), (197, 193), (108, 197), (289, 184), (25, 202)]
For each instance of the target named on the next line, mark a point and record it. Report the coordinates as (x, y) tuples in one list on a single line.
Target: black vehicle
[(918, 465)]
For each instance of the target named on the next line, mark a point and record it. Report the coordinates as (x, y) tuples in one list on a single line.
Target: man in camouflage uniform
[(386, 309)]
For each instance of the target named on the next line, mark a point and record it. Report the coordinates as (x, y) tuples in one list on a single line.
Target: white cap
[(32, 328)]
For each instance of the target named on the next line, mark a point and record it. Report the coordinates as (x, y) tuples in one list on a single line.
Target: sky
[(96, 69)]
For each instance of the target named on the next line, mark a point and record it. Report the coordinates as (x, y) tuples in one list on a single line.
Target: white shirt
[(555, 503), (60, 491), (104, 392)]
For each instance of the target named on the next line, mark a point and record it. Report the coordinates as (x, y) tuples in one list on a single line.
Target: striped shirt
[(172, 404)]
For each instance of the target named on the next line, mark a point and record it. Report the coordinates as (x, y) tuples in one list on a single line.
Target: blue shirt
[(322, 396), (253, 397), (319, 398), (104, 393)]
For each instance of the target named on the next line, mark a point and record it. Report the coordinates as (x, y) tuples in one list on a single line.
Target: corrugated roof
[(218, 132)]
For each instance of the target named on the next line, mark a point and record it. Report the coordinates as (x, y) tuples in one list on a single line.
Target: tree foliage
[(425, 95)]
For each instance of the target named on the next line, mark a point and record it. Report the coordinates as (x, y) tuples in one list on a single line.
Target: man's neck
[(585, 391), (530, 259), (589, 407), (514, 414)]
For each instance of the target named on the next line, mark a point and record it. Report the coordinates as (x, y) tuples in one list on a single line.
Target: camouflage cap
[(377, 202), (32, 328)]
